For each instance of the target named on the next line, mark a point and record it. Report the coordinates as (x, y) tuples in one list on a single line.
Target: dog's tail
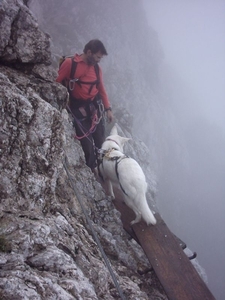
[(146, 213)]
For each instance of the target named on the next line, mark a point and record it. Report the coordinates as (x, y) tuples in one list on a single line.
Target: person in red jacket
[(88, 98)]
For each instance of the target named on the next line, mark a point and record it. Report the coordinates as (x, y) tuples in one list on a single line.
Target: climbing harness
[(106, 154), (71, 84), (70, 87), (118, 160), (95, 120), (94, 234)]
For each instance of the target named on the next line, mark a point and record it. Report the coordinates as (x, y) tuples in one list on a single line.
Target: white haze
[(192, 34)]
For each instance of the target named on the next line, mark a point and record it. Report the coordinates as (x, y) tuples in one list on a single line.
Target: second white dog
[(125, 173)]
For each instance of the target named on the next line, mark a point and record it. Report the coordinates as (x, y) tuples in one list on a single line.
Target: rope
[(94, 123), (94, 233)]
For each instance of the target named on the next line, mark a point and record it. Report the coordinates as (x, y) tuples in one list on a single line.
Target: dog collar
[(108, 139)]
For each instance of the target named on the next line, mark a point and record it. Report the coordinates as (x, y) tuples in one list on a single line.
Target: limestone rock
[(46, 247), (21, 39)]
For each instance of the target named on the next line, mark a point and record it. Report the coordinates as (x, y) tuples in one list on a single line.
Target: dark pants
[(93, 141)]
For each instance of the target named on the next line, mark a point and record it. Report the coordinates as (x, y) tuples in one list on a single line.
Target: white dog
[(121, 171)]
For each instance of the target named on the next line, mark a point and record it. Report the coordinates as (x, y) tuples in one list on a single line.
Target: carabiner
[(72, 83)]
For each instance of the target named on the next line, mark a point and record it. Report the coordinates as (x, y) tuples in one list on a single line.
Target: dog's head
[(114, 141)]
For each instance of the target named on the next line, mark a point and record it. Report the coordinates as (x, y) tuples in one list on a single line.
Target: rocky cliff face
[(46, 247)]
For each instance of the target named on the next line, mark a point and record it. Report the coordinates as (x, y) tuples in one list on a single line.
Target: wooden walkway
[(176, 273)]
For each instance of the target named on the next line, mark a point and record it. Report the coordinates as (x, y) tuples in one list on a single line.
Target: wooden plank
[(176, 273)]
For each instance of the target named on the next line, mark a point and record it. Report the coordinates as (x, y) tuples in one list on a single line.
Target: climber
[(82, 76)]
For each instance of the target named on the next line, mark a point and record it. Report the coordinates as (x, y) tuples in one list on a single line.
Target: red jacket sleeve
[(102, 91)]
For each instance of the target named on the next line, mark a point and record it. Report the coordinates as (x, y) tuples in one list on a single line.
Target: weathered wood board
[(176, 273)]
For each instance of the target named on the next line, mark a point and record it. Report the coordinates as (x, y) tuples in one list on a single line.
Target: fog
[(191, 171), (192, 199)]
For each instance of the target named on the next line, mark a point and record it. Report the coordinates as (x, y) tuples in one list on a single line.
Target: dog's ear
[(114, 130), (123, 140)]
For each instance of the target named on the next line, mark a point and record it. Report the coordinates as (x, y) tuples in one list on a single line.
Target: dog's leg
[(137, 219), (130, 202), (108, 188), (111, 190)]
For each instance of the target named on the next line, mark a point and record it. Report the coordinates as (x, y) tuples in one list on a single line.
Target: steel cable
[(94, 233)]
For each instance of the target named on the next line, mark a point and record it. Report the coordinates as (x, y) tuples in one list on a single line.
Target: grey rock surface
[(46, 247)]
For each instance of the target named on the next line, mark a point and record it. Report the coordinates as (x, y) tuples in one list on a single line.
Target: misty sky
[(192, 35)]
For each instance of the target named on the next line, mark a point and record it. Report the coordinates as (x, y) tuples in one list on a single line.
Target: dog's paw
[(111, 193), (134, 222), (112, 196), (108, 194)]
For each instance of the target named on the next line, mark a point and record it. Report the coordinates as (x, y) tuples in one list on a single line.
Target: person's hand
[(109, 115)]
